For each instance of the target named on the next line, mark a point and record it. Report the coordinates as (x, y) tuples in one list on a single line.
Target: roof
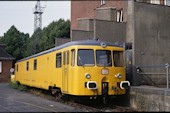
[(4, 55), (82, 42)]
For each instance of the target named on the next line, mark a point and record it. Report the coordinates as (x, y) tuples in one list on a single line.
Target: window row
[(27, 65), (85, 57), (35, 65)]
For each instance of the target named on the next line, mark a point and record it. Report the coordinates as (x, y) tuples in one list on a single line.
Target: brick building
[(143, 25), (6, 61), (86, 9)]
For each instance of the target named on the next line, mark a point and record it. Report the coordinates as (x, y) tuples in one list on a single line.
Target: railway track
[(88, 106)]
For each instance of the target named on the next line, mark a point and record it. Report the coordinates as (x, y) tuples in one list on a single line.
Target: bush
[(13, 85), (16, 86)]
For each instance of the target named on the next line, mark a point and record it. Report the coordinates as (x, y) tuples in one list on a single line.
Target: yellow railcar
[(79, 68)]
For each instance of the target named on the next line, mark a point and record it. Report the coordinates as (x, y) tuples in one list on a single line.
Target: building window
[(58, 60), (167, 2), (35, 64), (27, 66), (0, 66), (120, 15), (155, 2), (103, 2)]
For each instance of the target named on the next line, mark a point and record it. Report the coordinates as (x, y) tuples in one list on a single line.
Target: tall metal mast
[(38, 11)]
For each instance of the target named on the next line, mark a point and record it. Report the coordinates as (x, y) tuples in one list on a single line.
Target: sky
[(20, 14)]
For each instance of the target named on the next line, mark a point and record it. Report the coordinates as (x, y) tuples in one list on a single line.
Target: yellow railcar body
[(70, 79)]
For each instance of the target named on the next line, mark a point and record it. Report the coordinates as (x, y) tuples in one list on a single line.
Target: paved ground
[(12, 100)]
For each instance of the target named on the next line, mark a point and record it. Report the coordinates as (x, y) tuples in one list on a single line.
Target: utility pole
[(38, 11)]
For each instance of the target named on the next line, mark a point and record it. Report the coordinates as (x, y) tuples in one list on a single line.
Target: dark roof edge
[(5, 58), (8, 56), (82, 42)]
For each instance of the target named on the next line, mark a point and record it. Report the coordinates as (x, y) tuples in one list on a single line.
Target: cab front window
[(103, 58), (85, 57), (118, 58)]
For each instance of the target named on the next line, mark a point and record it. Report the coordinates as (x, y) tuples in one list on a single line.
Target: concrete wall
[(105, 30), (150, 99), (110, 31), (6, 66), (81, 35), (60, 41), (107, 13), (152, 40), (85, 24)]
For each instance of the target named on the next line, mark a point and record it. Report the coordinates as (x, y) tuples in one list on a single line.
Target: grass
[(35, 91), (19, 87)]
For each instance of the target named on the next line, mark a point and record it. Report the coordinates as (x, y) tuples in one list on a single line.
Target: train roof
[(82, 42)]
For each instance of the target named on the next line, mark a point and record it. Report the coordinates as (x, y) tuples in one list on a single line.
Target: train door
[(65, 71)]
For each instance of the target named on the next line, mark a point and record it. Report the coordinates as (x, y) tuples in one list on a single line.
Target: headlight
[(88, 76), (118, 76)]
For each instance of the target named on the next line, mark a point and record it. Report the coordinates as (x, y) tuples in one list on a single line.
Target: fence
[(166, 66)]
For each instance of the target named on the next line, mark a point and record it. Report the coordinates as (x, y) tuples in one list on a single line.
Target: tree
[(15, 42), (21, 45), (45, 39)]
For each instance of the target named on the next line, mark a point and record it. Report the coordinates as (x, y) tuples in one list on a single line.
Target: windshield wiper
[(80, 61), (108, 64)]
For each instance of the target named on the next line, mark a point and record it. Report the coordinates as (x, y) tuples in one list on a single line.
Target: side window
[(67, 57), (118, 58), (58, 60), (64, 58), (72, 57), (27, 67), (35, 64), (0, 66), (17, 67)]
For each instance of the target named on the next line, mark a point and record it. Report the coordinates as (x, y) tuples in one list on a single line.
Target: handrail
[(167, 65)]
